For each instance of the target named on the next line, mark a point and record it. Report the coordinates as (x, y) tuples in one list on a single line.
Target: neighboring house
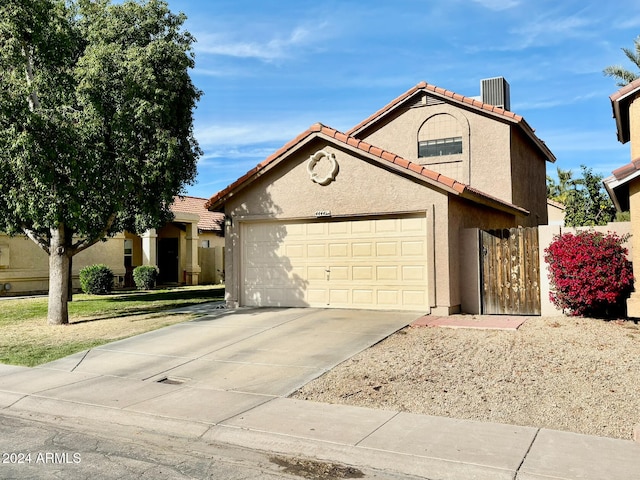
[(176, 248), (555, 213), (372, 218), (624, 185)]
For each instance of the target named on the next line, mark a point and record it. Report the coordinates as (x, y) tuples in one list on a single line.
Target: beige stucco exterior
[(497, 181), (362, 188), (24, 267), (624, 185), (634, 128), (27, 269), (496, 157)]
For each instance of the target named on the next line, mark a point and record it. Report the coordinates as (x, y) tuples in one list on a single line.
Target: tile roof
[(619, 104), (456, 98), (209, 221), (626, 170), (318, 130)]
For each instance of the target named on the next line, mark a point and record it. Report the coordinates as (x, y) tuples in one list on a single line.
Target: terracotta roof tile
[(209, 221), (626, 170), (402, 162), (511, 116), (383, 155), (627, 89), (414, 167), (377, 151), (354, 142)]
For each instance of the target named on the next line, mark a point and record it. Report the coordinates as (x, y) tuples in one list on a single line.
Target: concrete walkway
[(225, 376)]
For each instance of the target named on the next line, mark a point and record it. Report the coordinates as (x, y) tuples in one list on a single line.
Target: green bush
[(145, 277), (96, 279)]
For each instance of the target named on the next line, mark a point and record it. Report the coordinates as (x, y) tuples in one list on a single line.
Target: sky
[(270, 69)]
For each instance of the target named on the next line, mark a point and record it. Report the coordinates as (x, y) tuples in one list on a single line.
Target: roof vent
[(495, 91)]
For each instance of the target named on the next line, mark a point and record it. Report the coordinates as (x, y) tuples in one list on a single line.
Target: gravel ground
[(562, 373)]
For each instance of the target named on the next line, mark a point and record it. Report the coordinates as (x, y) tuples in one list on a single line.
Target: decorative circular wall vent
[(320, 177)]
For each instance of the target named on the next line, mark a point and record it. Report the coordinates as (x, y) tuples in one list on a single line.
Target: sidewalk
[(215, 380)]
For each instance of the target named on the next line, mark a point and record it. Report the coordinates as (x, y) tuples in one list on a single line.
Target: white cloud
[(498, 5), (560, 101), (267, 50), (229, 136)]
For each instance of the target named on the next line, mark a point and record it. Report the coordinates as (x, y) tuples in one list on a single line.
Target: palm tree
[(623, 75), (566, 183)]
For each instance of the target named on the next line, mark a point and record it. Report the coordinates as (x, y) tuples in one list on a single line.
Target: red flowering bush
[(589, 273)]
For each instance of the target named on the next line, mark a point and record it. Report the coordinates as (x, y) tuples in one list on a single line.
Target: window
[(205, 244), (128, 248), (440, 147)]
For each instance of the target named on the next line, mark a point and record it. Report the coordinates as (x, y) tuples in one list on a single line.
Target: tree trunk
[(70, 292), (59, 263)]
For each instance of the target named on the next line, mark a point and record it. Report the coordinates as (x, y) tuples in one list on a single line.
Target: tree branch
[(34, 101), (87, 242), (37, 239)]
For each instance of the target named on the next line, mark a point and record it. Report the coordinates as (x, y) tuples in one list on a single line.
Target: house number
[(323, 213)]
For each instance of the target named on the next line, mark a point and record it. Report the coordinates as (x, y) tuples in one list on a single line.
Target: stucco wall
[(486, 141), (528, 169), (362, 187), (634, 128), (28, 266)]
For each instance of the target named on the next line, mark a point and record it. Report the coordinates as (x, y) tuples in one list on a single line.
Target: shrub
[(589, 273), (145, 276), (96, 279)]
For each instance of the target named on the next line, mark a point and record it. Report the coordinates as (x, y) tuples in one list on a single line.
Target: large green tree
[(620, 73), (96, 124), (566, 184), (588, 204)]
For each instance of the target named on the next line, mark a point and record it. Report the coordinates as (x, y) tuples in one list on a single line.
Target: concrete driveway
[(212, 368)]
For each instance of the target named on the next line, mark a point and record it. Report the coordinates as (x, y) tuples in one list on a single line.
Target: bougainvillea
[(589, 273)]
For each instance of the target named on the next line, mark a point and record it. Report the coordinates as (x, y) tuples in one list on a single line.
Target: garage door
[(378, 263)]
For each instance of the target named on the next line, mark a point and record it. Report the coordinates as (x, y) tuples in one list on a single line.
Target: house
[(623, 185), (372, 218), (555, 213), (187, 250)]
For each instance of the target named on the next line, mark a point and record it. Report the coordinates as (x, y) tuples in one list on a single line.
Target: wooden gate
[(510, 271)]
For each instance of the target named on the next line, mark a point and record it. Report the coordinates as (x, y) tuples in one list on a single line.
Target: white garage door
[(367, 263)]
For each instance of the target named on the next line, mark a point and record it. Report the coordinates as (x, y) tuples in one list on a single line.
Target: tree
[(620, 73), (96, 125), (566, 183), (588, 203)]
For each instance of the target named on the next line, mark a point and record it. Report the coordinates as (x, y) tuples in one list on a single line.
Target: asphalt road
[(52, 448)]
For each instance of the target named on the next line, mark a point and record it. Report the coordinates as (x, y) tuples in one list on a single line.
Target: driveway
[(209, 369)]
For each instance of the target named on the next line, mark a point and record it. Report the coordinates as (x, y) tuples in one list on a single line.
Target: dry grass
[(26, 339)]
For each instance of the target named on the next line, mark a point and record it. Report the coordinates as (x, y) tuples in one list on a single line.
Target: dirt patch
[(563, 373), (315, 470)]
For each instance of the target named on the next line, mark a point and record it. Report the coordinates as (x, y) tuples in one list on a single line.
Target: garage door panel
[(317, 250), (388, 297), (412, 224), (365, 263), (413, 297), (413, 272), (362, 273), (387, 248), (339, 297), (413, 248), (362, 249), (387, 272), (338, 250)]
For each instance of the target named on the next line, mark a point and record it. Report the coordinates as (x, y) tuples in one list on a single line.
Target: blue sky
[(269, 69)]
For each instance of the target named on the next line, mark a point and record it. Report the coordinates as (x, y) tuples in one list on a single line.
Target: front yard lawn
[(26, 338)]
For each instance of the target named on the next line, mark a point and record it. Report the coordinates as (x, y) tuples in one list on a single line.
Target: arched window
[(439, 136)]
